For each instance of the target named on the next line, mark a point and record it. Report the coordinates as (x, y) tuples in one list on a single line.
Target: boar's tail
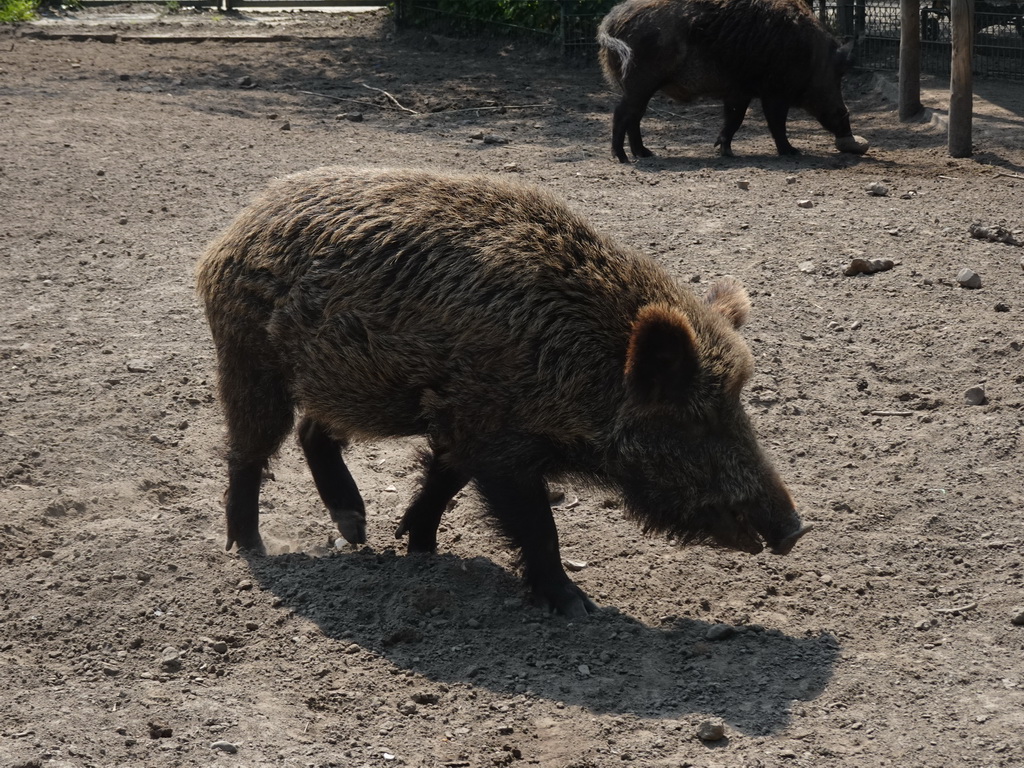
[(615, 57)]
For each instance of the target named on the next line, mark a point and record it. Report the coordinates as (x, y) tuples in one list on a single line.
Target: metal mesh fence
[(572, 25)]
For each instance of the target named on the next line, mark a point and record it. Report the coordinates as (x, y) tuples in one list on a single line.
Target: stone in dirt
[(711, 730), (968, 278), (868, 266), (994, 234), (877, 189), (975, 396)]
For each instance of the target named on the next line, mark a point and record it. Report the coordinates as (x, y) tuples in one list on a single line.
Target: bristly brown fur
[(488, 316)]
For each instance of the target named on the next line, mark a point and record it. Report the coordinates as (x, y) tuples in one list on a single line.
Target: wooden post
[(961, 91), (910, 59)]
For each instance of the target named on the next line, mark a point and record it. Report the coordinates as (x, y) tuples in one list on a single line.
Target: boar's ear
[(844, 57), (728, 297), (661, 360)]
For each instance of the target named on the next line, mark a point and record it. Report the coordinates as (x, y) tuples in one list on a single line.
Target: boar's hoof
[(855, 144), (784, 546), (351, 524), (247, 545), (567, 600)]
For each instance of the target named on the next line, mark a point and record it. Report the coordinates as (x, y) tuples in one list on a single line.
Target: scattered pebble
[(868, 266), (791, 179), (224, 746), (584, 670), (160, 730), (805, 204), (122, 220), (493, 138), (425, 697), (743, 184), (968, 278), (711, 730), (574, 565), (1001, 307), (139, 366), (1018, 620), (975, 396), (408, 708), (246, 82), (807, 267), (352, 117), (994, 234), (170, 660), (286, 126), (877, 189), (720, 631), (219, 647)]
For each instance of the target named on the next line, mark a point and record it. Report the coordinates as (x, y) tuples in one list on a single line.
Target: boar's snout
[(785, 545)]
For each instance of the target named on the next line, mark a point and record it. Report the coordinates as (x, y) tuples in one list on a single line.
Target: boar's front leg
[(521, 505), (441, 482), (776, 111), (333, 481), (735, 111)]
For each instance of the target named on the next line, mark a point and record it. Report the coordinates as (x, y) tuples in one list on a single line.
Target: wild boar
[(733, 50), (523, 344)]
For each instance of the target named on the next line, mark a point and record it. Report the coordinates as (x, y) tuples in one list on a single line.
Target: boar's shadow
[(457, 620)]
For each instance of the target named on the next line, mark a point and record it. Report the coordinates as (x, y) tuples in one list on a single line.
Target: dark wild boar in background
[(733, 50), (488, 317)]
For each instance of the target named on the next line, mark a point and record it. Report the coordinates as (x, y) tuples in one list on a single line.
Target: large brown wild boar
[(524, 345), (734, 50)]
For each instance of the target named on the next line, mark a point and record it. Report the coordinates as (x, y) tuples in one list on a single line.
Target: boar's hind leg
[(333, 480), (440, 484), (259, 415), (735, 111), (626, 121), (775, 113), (522, 508)]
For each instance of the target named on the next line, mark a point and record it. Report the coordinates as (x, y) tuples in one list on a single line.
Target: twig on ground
[(957, 609), (892, 413), (392, 98), (503, 106), (338, 98), (1009, 175)]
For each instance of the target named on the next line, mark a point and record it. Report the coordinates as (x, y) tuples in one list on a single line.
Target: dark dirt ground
[(128, 637)]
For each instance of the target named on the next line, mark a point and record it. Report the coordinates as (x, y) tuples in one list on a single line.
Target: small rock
[(574, 565), (408, 708), (246, 82), (968, 278), (1001, 307), (720, 632), (122, 220), (584, 670), (139, 366), (743, 184), (711, 730), (146, 89), (975, 396), (1018, 620), (804, 204), (868, 266), (170, 660), (352, 117), (160, 730), (791, 179), (425, 697), (124, 78), (286, 126), (807, 267), (994, 234), (224, 746), (493, 138), (473, 623), (219, 647), (877, 189)]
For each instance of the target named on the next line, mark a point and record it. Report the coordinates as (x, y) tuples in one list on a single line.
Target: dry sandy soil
[(128, 637)]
